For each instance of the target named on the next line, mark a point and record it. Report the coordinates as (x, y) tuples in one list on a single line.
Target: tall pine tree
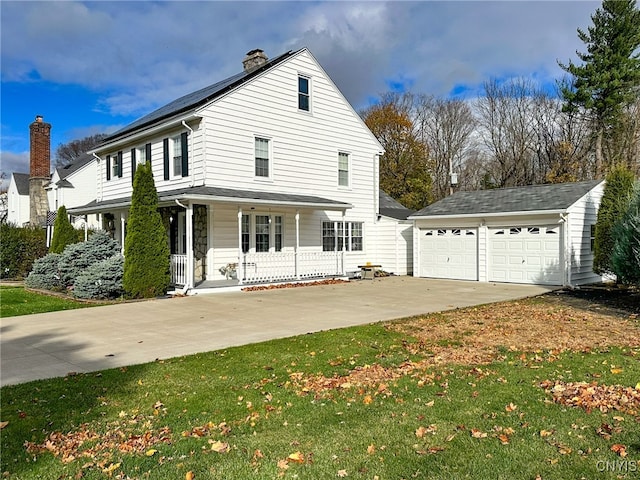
[(146, 246), (608, 79)]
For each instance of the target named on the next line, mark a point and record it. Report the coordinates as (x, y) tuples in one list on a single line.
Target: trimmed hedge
[(625, 258), (19, 248)]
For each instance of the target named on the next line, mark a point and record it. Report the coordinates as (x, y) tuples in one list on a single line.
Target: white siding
[(394, 245), (581, 215), (18, 205)]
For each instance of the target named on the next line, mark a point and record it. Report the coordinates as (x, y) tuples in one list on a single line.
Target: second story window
[(343, 169), (304, 95), (114, 166), (177, 156), (262, 157)]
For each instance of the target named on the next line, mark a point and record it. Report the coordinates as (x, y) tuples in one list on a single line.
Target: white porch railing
[(281, 266), (178, 269)]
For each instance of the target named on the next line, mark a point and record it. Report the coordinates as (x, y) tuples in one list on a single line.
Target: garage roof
[(533, 198)]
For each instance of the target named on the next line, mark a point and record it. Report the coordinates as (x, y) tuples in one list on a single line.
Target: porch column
[(122, 228), (210, 250), (297, 265), (190, 259), (344, 239), (240, 268)]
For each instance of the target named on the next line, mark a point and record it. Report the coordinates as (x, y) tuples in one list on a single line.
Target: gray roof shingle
[(197, 98), (77, 164), (515, 199), (22, 183), (392, 208)]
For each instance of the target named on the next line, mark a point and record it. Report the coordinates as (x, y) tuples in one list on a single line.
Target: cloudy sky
[(91, 67)]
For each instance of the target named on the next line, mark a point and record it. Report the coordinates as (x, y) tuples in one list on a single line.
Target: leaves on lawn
[(592, 396)]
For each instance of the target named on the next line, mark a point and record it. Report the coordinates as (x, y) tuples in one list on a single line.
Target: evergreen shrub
[(45, 273), (63, 232), (102, 280), (19, 248), (78, 257), (625, 258)]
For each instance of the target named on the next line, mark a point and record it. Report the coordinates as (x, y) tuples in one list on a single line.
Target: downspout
[(190, 150), (565, 254), (99, 172)]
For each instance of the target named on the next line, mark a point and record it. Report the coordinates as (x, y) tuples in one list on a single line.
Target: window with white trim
[(261, 233), (246, 233), (339, 236), (304, 93), (262, 157), (263, 222), (343, 169), (177, 155)]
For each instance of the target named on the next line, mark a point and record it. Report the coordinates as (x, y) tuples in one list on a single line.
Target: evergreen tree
[(63, 232), (625, 259), (146, 246), (614, 203), (609, 78)]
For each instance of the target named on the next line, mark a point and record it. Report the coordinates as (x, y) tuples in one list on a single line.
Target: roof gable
[(77, 164), (21, 181), (533, 198)]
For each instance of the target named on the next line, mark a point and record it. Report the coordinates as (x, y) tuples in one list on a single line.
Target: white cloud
[(14, 162)]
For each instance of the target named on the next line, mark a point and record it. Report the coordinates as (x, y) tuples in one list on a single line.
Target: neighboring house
[(541, 234), (394, 236), (74, 185), (268, 175), (18, 199)]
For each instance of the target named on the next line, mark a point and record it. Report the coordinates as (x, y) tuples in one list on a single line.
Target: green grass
[(361, 431), (16, 301)]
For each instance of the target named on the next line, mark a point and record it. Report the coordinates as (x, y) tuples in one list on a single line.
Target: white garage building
[(540, 234)]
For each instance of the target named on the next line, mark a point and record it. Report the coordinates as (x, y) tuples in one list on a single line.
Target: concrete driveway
[(53, 344)]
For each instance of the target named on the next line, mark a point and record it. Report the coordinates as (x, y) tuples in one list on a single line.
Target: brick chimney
[(39, 170), (254, 59)]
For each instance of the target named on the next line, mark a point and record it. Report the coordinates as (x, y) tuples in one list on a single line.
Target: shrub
[(45, 273), (78, 257), (102, 280), (614, 202), (625, 258), (146, 263), (63, 232), (19, 248)]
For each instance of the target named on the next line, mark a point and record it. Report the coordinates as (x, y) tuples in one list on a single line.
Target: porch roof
[(225, 195)]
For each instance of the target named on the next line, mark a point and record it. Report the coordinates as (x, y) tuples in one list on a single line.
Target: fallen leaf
[(151, 452), (3, 424), (619, 449), (511, 407), (367, 400), (342, 473), (546, 433), (189, 475), (504, 439), (296, 457), (371, 449), (220, 447), (111, 468), (282, 464), (475, 433), (616, 371)]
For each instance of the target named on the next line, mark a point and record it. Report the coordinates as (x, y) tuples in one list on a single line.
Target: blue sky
[(91, 67)]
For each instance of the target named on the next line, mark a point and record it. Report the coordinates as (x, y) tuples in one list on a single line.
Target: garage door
[(525, 255), (449, 253)]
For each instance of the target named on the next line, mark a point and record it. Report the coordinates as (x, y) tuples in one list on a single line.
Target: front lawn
[(16, 301), (476, 399)]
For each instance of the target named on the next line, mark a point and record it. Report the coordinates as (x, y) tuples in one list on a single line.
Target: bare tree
[(445, 126), (66, 153), (505, 116)]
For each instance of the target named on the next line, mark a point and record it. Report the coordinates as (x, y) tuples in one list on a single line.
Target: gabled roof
[(67, 170), (222, 195), (196, 99), (22, 183), (533, 198), (392, 208)]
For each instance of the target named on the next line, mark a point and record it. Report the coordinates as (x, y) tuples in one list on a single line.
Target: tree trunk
[(598, 166)]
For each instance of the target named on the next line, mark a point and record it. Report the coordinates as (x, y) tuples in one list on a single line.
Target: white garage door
[(449, 253), (525, 255)]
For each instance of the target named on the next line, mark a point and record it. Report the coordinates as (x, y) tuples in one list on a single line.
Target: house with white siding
[(540, 234), (18, 199), (269, 175)]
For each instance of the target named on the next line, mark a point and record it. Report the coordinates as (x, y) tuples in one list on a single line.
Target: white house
[(541, 234), (72, 186), (394, 236), (268, 175), (18, 199)]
